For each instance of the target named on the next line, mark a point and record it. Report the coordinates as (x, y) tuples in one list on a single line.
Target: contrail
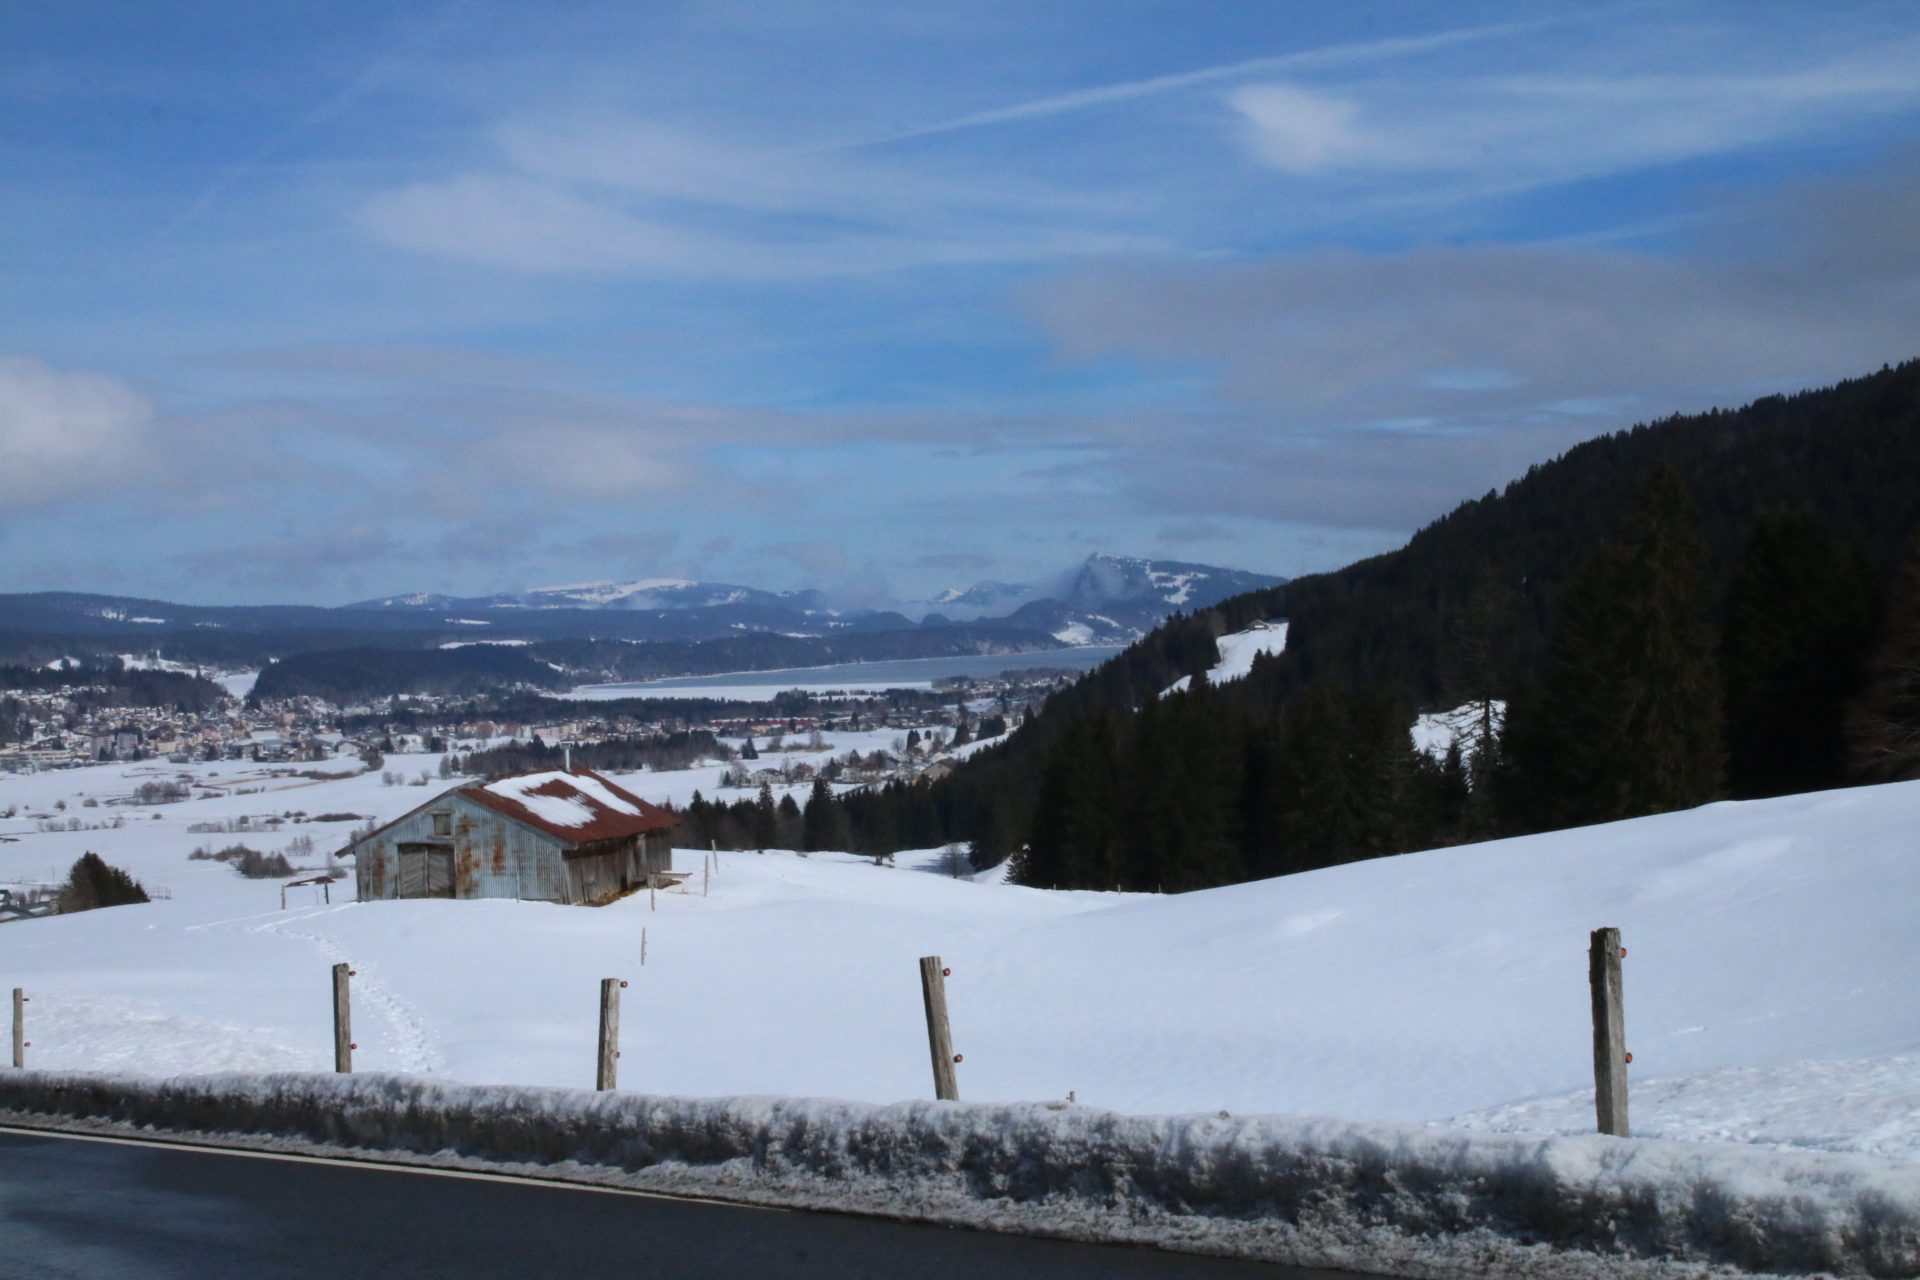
[(380, 69), (1331, 55)]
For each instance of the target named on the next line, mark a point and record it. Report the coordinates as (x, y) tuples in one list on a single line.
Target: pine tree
[(791, 826), (1800, 613), (92, 884), (823, 826), (1076, 823), (766, 819), (1883, 724), (1625, 721)]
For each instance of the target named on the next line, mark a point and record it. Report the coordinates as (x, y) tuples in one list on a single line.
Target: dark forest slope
[(1372, 643)]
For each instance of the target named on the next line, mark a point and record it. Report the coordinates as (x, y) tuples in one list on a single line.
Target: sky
[(319, 302)]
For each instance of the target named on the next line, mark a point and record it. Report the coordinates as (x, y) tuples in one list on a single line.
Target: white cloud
[(64, 433), (1465, 134), (1298, 130)]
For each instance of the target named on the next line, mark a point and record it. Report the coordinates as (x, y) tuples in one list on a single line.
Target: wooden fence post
[(1610, 1056), (19, 1027), (607, 1073), (643, 945), (343, 1045), (933, 986)]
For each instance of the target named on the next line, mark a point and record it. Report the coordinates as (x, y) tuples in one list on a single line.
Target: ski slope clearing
[(1237, 652), (1771, 985)]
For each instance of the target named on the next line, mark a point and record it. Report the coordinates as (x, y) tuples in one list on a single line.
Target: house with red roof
[(565, 835)]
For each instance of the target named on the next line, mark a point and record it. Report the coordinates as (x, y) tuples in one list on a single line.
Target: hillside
[(1768, 990), (1465, 610)]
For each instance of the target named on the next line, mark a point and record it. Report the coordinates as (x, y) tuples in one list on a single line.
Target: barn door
[(440, 873), (413, 873), (426, 871)]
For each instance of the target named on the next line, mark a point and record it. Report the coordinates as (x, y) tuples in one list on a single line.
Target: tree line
[(618, 755), (1692, 609)]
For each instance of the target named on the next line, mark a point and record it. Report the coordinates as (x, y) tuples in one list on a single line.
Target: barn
[(563, 836)]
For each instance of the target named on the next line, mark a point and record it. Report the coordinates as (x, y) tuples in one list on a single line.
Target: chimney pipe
[(566, 754)]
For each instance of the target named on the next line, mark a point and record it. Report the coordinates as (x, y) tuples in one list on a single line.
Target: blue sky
[(319, 302)]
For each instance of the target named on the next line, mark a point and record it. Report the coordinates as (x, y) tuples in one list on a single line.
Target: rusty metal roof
[(575, 808)]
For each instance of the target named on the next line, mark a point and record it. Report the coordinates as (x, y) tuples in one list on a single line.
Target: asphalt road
[(86, 1209)]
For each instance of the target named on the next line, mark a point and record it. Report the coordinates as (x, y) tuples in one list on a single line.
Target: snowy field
[(1770, 984)]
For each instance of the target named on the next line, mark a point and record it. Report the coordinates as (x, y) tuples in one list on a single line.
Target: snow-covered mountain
[(639, 593), (1105, 599), (1148, 590), (980, 599), (660, 593)]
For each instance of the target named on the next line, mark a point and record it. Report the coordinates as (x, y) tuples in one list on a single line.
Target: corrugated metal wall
[(492, 857), (496, 858)]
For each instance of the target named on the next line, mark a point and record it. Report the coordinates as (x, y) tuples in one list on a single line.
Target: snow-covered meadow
[(1770, 984)]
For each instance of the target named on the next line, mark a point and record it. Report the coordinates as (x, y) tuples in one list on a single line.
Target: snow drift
[(1401, 1199)]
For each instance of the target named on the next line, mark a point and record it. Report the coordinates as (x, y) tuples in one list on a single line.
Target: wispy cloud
[(1331, 56), (626, 197), (1468, 136)]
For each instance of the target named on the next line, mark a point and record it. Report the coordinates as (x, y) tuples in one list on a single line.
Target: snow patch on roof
[(561, 799)]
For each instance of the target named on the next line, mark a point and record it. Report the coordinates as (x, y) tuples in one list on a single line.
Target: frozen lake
[(851, 677)]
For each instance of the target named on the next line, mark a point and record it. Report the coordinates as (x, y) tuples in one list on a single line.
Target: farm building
[(564, 836)]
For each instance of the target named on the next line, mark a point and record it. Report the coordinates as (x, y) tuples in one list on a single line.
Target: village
[(780, 742)]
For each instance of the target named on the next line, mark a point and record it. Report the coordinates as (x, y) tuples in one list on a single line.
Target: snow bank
[(1406, 1200)]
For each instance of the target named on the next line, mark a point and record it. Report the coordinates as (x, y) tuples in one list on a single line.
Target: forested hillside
[(1676, 612), (358, 675)]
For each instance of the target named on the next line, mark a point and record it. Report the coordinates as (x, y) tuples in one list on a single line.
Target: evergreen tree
[(1076, 824), (92, 884), (766, 819), (1883, 724), (823, 824), (792, 827), (1484, 644), (1800, 613), (1625, 720)]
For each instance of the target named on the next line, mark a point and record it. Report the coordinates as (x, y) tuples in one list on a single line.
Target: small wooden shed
[(562, 836)]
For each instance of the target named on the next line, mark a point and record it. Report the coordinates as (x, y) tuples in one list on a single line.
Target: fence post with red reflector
[(1610, 1056), (933, 986), (343, 1045), (607, 1073)]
